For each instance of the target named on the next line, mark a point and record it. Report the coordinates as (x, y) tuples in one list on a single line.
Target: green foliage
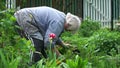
[(78, 62), (5, 62), (98, 48), (105, 61), (105, 42), (2, 4), (95, 48), (14, 49), (88, 27), (7, 33)]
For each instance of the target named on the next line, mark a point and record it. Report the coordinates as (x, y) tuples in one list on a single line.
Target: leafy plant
[(105, 61), (97, 48), (105, 42), (88, 27), (6, 62), (78, 62), (14, 48)]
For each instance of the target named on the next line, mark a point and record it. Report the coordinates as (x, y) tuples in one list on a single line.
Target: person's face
[(66, 26)]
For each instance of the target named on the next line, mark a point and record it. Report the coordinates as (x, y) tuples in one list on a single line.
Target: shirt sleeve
[(56, 28), (59, 42)]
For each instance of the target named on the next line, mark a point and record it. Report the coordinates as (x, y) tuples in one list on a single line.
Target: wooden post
[(112, 8)]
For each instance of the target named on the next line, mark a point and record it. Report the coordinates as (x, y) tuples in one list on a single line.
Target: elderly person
[(38, 22)]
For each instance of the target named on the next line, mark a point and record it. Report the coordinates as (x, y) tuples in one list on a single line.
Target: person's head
[(72, 22)]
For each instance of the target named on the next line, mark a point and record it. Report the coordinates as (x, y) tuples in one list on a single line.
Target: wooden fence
[(105, 11), (73, 6)]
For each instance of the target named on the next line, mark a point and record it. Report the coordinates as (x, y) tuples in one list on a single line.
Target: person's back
[(46, 15)]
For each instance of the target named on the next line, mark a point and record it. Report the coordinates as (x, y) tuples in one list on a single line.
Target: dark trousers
[(39, 47)]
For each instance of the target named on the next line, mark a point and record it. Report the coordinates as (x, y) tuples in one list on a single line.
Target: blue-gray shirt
[(49, 20)]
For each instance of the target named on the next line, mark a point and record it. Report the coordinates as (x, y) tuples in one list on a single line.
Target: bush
[(88, 27), (14, 50), (105, 42), (105, 61), (76, 63), (93, 47)]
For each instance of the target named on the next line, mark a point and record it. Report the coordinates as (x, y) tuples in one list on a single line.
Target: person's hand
[(66, 45)]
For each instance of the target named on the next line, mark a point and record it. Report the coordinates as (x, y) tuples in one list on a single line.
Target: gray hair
[(74, 22)]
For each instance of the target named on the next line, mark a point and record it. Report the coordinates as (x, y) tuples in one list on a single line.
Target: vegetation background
[(94, 47)]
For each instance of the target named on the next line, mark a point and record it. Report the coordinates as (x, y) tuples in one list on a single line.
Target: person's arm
[(61, 43), (56, 28)]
